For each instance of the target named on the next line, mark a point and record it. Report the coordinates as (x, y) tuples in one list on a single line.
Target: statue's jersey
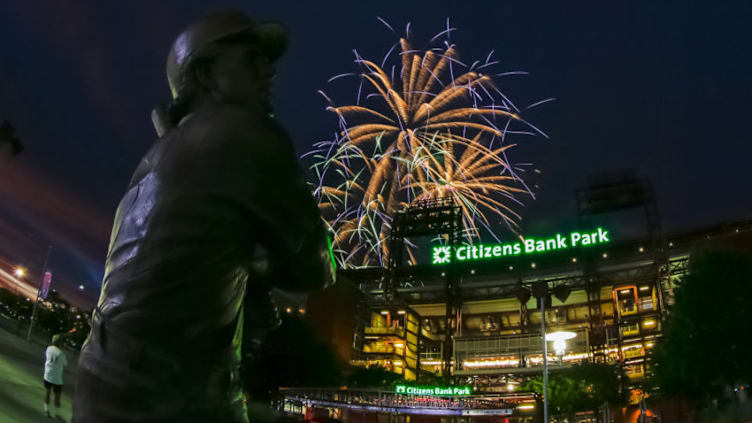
[(166, 334)]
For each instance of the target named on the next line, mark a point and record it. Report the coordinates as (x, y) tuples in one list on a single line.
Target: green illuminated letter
[(460, 254), (602, 235)]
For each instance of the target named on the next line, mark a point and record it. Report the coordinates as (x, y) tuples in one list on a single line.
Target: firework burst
[(426, 127)]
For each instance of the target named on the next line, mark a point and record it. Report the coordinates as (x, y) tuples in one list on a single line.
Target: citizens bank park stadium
[(470, 315)]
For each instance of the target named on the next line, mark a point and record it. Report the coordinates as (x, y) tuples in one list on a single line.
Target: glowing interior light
[(384, 312), (605, 255), (574, 259), (641, 250), (532, 265), (576, 357), (401, 312), (624, 291), (20, 272), (526, 406), (644, 288), (648, 323), (491, 363), (631, 347)]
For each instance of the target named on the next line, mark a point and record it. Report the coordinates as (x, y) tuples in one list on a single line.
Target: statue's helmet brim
[(270, 37)]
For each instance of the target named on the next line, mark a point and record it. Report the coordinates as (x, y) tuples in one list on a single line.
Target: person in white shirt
[(55, 361)]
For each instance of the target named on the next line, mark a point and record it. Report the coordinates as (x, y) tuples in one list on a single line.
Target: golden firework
[(421, 133)]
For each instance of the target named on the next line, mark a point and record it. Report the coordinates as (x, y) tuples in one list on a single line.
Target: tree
[(291, 355), (10, 145), (708, 338), (373, 376), (56, 319), (583, 387)]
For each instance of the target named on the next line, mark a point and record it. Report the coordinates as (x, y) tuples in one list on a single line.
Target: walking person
[(55, 361)]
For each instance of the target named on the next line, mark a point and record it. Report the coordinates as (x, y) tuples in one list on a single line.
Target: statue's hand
[(261, 312)]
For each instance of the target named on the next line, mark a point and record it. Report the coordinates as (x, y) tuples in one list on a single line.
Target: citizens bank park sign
[(443, 254), (433, 390)]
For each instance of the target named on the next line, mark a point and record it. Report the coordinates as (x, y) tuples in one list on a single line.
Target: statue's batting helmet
[(270, 37)]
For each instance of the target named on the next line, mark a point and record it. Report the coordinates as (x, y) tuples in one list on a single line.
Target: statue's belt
[(219, 378)]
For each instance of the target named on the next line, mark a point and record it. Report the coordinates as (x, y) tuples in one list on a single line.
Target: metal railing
[(510, 350)]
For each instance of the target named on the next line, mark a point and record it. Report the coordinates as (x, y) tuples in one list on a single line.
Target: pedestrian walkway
[(21, 387)]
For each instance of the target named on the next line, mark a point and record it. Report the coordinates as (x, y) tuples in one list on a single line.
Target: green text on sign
[(433, 390), (442, 254)]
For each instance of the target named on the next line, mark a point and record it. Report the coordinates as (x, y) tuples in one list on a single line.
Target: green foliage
[(7, 297), (373, 376), (580, 388), (436, 380), (707, 343), (55, 316), (291, 355)]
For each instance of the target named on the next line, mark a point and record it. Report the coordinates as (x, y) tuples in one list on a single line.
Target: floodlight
[(560, 336), (560, 340)]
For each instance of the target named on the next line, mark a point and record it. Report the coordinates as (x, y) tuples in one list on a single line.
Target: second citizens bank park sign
[(433, 390), (443, 254)]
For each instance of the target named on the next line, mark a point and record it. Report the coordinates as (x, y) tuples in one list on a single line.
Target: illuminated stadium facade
[(467, 311), (470, 312)]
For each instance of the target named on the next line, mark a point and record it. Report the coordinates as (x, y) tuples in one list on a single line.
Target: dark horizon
[(658, 88)]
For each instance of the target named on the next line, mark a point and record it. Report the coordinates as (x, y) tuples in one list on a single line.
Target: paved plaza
[(21, 388)]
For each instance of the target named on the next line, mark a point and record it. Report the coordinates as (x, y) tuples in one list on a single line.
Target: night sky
[(663, 88)]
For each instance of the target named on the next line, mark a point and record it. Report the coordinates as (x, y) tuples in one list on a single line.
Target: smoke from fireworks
[(427, 127)]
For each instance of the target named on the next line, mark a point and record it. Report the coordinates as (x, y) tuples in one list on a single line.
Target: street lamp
[(560, 340), (81, 287), (19, 272)]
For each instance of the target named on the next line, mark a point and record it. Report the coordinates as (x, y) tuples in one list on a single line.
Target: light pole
[(20, 272), (545, 357), (541, 291), (39, 289)]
